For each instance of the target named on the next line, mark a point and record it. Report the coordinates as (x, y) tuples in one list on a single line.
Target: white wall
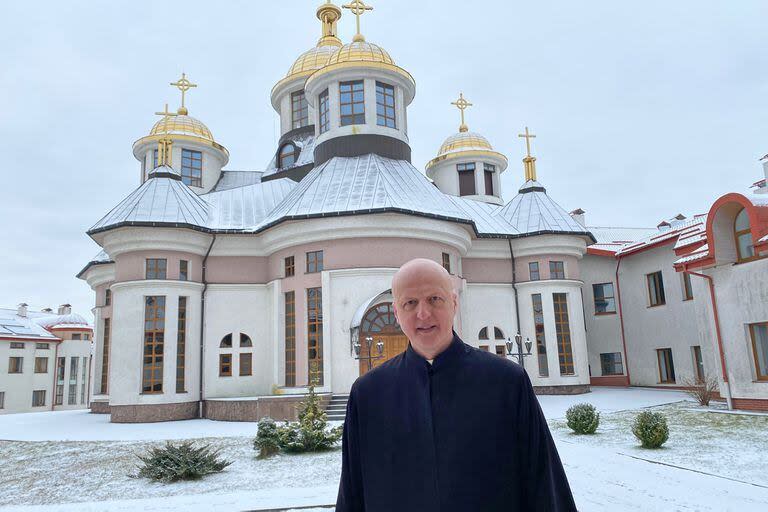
[(487, 305)]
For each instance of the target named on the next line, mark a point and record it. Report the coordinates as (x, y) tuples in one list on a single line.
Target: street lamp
[(520, 354), (370, 358)]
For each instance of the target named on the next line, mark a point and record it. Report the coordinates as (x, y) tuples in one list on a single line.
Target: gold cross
[(462, 104), (183, 84), (358, 8), (527, 136), (164, 143)]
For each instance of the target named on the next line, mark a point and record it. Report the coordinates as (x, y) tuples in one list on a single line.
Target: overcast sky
[(643, 109)]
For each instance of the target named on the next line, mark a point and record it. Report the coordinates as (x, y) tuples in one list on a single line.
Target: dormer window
[(288, 156), (385, 105), (745, 250), (299, 110), (351, 103)]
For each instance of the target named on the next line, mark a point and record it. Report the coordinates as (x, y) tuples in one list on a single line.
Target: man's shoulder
[(383, 374)]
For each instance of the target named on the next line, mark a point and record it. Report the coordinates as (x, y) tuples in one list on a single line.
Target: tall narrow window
[(698, 363), (60, 368), (563, 332), (759, 334), (745, 250), (466, 178), (154, 343), (488, 171), (314, 261), (655, 289), (38, 398), (107, 297), (687, 288), (2, 399), (84, 383), (157, 268), (556, 270), (533, 270), (183, 270), (541, 341), (299, 110), (610, 364), (225, 365), (666, 366), (323, 112), (181, 345), (290, 339), (15, 364), (154, 158), (72, 395), (604, 300), (385, 105), (351, 103), (41, 365), (192, 167), (105, 358), (288, 156), (315, 335), (290, 267), (447, 262), (246, 360)]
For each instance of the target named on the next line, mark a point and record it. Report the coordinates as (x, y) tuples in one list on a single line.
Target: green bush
[(267, 438), (180, 462), (583, 418), (651, 429)]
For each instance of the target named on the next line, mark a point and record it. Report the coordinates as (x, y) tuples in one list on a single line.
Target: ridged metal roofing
[(305, 142), (246, 207), (532, 210), (14, 326), (235, 179)]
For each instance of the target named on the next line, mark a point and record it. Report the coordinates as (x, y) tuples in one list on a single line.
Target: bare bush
[(702, 390)]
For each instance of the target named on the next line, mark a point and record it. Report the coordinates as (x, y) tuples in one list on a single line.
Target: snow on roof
[(619, 235), (100, 259), (246, 207), (235, 179), (305, 142), (701, 252), (680, 228), (22, 327), (51, 321)]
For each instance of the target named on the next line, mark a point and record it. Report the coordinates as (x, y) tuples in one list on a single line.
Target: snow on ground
[(720, 459)]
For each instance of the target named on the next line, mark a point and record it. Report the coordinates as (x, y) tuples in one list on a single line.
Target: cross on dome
[(358, 8), (164, 143), (183, 84), (529, 161), (462, 104), (527, 136)]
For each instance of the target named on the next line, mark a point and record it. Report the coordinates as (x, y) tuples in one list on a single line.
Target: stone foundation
[(150, 413), (100, 407), (575, 389), (278, 407)]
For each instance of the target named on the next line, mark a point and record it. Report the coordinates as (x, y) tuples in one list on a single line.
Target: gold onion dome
[(312, 60), (464, 141), (361, 51), (182, 125)]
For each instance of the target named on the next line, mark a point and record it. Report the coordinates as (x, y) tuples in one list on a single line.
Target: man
[(444, 426)]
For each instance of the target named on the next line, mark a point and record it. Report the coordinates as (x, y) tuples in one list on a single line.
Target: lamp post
[(370, 358), (520, 354)]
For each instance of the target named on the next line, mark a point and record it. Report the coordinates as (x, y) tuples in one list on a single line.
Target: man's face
[(425, 304)]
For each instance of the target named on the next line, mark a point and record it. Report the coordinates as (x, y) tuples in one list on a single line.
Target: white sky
[(643, 109)]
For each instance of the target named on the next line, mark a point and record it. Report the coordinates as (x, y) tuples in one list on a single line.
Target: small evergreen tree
[(182, 461), (583, 418), (267, 438), (651, 429), (310, 433)]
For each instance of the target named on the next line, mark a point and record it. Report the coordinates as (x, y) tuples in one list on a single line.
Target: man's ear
[(394, 310), (455, 297)]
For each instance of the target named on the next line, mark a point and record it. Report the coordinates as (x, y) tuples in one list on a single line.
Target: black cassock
[(463, 434)]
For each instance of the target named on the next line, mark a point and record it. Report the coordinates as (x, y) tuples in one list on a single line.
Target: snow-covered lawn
[(711, 462)]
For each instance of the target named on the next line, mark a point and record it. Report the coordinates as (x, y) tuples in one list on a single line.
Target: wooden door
[(379, 323)]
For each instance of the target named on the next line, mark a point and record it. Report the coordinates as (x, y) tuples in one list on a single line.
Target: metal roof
[(235, 179), (14, 326), (246, 207), (305, 142)]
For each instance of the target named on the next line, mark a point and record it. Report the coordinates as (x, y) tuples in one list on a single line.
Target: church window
[(290, 338), (488, 171), (38, 398), (604, 301), (288, 156), (41, 365), (314, 261), (610, 364), (484, 348), (466, 178), (483, 334), (154, 342), (15, 364), (154, 158), (107, 297), (72, 395), (563, 332), (533, 270), (225, 365), (290, 266), (226, 341), (245, 340), (181, 345), (385, 105), (351, 103), (666, 366), (315, 335), (105, 357), (743, 235), (541, 343), (183, 270), (156, 268), (192, 167), (687, 287), (498, 334), (299, 109), (556, 270), (58, 398), (500, 351), (655, 289), (246, 364), (759, 333), (323, 112), (447, 262)]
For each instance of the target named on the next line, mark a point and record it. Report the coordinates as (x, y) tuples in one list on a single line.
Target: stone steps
[(337, 407)]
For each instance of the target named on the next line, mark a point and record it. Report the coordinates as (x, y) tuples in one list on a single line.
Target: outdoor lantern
[(528, 345), (356, 346), (380, 347), (509, 346)]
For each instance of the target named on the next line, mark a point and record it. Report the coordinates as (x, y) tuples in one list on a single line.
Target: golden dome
[(361, 51), (182, 125), (464, 141), (311, 60)]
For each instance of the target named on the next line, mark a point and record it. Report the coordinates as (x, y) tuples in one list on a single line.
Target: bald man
[(444, 426)]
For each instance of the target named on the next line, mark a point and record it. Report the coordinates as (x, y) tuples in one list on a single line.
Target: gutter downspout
[(621, 319), (709, 279), (55, 371), (202, 326), (514, 286)]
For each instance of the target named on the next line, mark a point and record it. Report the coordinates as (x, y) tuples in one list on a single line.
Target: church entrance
[(379, 323)]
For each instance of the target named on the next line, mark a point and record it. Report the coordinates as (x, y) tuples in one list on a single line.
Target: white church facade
[(230, 291)]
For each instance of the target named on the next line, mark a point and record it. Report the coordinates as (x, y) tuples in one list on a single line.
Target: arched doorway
[(380, 324)]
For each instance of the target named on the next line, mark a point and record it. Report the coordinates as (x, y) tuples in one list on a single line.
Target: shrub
[(651, 429), (583, 418), (180, 462), (701, 390), (267, 438)]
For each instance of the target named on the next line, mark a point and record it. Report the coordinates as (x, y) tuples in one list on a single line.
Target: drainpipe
[(202, 325), (621, 319), (514, 286), (55, 362), (709, 279)]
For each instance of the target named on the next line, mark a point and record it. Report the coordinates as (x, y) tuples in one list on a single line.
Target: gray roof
[(306, 144), (14, 326), (101, 258), (245, 207), (234, 179)]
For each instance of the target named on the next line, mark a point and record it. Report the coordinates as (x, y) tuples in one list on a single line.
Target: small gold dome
[(311, 60), (361, 51), (464, 141), (182, 125)]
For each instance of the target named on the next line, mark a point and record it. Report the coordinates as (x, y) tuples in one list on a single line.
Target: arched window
[(380, 319), (226, 341), (498, 333), (288, 156), (245, 340), (743, 236), (483, 334)]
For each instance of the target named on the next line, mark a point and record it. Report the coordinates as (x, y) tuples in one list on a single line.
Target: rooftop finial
[(462, 104), (529, 161), (358, 7), (183, 84), (329, 14), (165, 142)]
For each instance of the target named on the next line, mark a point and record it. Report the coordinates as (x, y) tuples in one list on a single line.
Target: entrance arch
[(380, 324)]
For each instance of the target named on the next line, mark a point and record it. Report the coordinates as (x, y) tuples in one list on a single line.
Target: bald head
[(421, 268)]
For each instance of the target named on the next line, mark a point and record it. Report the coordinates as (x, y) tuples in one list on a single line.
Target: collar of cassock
[(444, 359)]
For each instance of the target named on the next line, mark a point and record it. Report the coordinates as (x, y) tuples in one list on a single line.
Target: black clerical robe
[(463, 434)]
